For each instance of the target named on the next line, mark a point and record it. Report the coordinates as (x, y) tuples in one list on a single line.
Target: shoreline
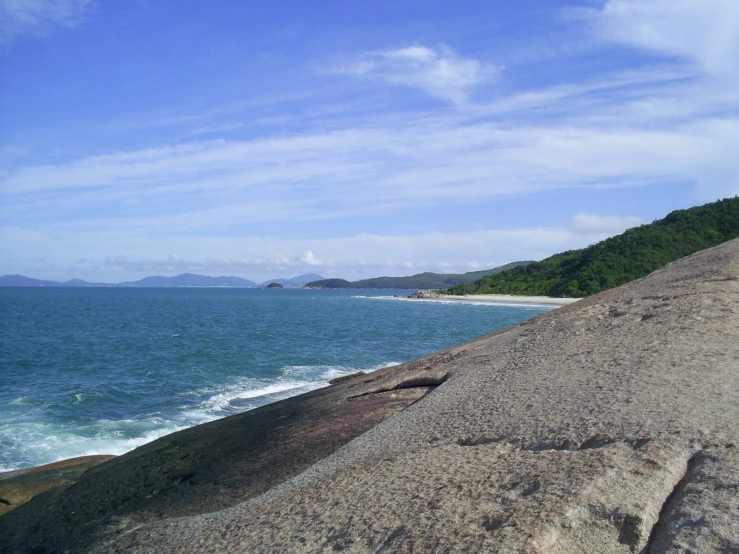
[(508, 299)]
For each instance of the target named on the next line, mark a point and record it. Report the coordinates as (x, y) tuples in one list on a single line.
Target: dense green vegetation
[(619, 259), (420, 281)]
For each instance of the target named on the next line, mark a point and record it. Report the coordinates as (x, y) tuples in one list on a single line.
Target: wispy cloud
[(18, 17), (441, 73), (373, 171), (705, 32)]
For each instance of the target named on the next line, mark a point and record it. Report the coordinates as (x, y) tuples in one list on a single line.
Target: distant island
[(182, 280), (618, 260), (426, 280)]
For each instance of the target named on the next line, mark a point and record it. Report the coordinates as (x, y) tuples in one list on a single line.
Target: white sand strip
[(510, 299)]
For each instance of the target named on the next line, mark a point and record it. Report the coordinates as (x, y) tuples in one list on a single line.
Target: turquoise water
[(104, 370)]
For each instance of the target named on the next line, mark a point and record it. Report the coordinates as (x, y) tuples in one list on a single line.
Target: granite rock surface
[(610, 425)]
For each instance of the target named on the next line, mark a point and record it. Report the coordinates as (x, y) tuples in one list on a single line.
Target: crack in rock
[(699, 512), (410, 383), (659, 529)]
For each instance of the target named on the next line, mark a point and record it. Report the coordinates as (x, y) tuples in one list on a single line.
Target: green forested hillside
[(619, 259), (420, 281)]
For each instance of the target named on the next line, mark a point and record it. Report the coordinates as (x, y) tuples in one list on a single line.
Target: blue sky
[(353, 139)]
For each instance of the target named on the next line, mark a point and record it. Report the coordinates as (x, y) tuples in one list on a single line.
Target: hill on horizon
[(425, 280), (617, 260), (294, 283), (23, 281), (181, 280), (191, 280)]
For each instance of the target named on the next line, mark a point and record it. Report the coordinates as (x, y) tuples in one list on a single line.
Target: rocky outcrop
[(18, 487), (425, 294), (609, 425)]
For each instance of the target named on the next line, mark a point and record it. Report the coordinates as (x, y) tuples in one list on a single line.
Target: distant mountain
[(183, 280), (620, 259), (79, 283), (22, 281), (295, 282), (191, 280), (426, 280)]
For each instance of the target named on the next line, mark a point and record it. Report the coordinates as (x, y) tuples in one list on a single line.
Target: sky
[(353, 139)]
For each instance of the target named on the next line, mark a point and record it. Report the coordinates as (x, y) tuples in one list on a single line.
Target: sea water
[(104, 370)]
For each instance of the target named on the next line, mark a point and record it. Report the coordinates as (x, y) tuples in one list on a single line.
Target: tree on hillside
[(620, 259)]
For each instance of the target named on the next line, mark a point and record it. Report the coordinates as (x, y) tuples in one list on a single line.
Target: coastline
[(509, 299)]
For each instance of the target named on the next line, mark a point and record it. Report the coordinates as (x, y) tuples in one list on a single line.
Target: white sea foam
[(225, 401), (42, 443), (36, 443), (250, 393), (21, 400)]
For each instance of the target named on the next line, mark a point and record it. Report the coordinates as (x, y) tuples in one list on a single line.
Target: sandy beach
[(510, 299)]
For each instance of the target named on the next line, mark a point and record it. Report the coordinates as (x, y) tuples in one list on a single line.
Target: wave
[(243, 396), (249, 393), (23, 401)]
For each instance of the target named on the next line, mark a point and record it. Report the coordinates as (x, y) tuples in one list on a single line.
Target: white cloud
[(441, 73), (705, 31), (593, 224), (310, 259), (18, 17)]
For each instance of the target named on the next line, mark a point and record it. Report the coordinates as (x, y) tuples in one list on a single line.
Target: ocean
[(104, 370)]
